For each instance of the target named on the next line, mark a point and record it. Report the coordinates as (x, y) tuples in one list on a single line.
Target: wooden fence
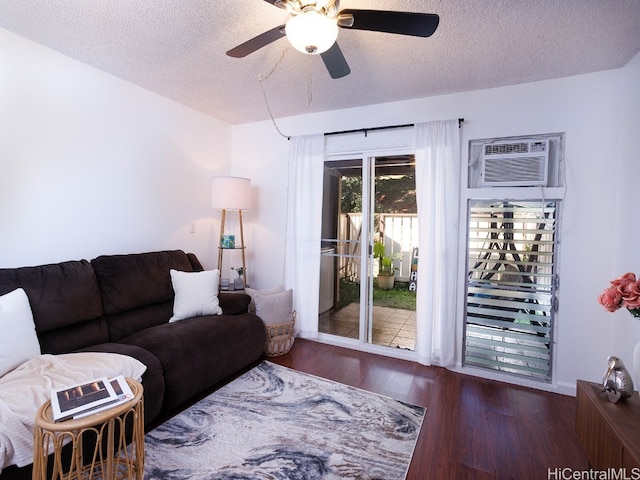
[(398, 232)]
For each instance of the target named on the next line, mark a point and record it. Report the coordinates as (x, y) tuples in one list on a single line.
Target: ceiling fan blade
[(257, 43), (403, 23), (283, 4), (335, 62), (277, 3)]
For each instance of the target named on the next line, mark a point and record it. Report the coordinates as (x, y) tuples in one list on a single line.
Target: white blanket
[(24, 389)]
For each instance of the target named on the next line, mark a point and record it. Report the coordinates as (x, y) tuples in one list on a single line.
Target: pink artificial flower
[(611, 299), (623, 292), (622, 282), (631, 296)]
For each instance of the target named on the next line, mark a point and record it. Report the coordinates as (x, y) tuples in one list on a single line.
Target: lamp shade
[(312, 32), (231, 193)]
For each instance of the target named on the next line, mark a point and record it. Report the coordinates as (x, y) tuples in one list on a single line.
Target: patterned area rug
[(277, 423)]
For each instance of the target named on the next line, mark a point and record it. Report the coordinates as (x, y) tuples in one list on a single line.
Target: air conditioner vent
[(501, 148), (520, 164)]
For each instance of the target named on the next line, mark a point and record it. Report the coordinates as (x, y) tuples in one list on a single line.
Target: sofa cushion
[(62, 295), (18, 339), (196, 293), (137, 280), (126, 323), (136, 289), (196, 266), (199, 352)]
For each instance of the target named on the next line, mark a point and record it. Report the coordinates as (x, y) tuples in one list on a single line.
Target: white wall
[(600, 114), (90, 164), (93, 165)]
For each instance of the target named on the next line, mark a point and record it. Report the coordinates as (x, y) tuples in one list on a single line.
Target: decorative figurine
[(617, 381)]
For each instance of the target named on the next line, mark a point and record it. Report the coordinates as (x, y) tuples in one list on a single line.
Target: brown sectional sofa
[(122, 304)]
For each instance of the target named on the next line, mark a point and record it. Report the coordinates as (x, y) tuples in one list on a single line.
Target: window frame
[(496, 310)]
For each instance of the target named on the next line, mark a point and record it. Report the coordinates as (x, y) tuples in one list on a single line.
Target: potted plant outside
[(386, 270)]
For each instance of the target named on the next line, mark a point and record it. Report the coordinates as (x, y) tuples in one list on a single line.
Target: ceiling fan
[(313, 29)]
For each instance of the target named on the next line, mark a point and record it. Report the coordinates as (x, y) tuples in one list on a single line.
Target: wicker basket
[(280, 338)]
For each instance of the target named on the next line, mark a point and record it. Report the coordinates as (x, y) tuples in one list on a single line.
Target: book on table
[(87, 398)]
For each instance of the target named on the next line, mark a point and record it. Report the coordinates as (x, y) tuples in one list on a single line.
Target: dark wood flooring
[(473, 428)]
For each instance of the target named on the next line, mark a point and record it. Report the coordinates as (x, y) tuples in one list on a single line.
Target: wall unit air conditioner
[(519, 163)]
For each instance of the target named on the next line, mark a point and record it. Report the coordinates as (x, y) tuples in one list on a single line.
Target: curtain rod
[(366, 130)]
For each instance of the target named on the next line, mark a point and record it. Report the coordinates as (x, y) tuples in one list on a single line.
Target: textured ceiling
[(176, 48)]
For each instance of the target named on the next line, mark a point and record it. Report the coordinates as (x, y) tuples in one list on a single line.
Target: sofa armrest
[(234, 303), (152, 378)]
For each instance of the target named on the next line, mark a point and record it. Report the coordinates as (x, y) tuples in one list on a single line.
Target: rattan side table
[(109, 458)]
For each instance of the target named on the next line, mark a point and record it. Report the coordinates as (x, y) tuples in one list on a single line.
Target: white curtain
[(304, 213), (438, 196)]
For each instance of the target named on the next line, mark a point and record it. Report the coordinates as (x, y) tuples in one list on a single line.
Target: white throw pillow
[(18, 339), (266, 291), (275, 309), (196, 294)]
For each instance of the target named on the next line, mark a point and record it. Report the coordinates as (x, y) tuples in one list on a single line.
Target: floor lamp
[(231, 193)]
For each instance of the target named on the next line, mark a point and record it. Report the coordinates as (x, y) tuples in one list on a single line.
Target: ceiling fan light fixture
[(312, 32)]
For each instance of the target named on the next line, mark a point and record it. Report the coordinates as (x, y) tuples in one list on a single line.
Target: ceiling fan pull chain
[(273, 120), (275, 67), (261, 80)]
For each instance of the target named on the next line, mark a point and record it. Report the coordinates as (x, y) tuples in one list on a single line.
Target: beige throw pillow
[(275, 309), (266, 291)]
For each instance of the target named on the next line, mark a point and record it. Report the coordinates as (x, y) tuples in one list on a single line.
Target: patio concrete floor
[(392, 327)]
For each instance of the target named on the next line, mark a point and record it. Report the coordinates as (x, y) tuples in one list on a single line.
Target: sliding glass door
[(341, 254), (369, 250)]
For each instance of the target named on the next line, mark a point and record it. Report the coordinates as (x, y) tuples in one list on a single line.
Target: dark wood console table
[(608, 432)]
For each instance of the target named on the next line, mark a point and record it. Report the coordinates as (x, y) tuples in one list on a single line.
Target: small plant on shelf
[(239, 283), (239, 270)]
